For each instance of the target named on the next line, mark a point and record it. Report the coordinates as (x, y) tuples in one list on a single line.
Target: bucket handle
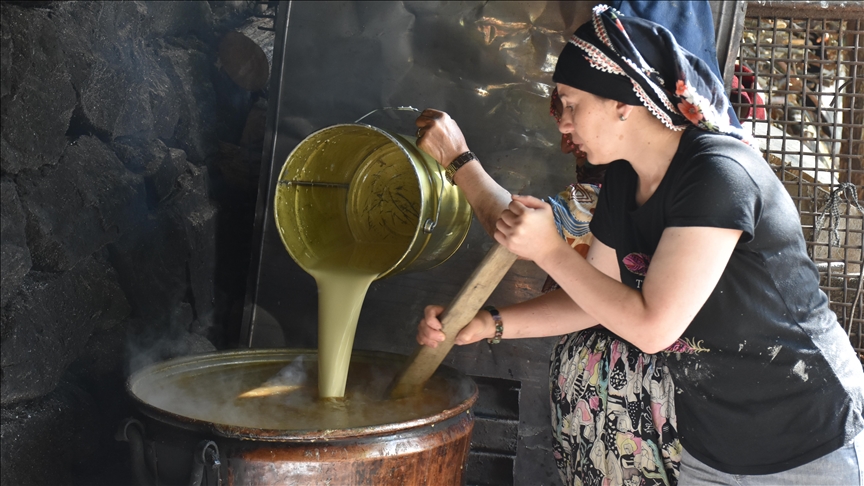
[(429, 225), (395, 108)]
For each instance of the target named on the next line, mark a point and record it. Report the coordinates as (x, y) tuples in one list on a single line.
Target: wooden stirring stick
[(425, 360)]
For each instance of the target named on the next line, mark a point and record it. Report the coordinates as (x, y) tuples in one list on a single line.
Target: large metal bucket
[(357, 184), (179, 437)]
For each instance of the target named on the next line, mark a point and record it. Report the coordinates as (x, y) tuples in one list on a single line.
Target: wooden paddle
[(462, 309)]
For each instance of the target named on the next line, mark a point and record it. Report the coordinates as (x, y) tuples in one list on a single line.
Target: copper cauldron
[(194, 429)]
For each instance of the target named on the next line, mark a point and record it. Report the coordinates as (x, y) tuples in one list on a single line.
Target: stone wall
[(124, 230)]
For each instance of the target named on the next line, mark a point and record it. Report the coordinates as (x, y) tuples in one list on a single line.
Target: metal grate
[(800, 76)]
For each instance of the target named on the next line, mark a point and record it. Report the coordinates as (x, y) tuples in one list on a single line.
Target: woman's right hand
[(429, 330), (439, 136)]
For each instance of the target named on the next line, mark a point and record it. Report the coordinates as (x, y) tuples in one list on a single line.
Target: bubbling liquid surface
[(213, 395)]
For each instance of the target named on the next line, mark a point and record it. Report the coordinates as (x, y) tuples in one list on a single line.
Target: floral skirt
[(613, 413)]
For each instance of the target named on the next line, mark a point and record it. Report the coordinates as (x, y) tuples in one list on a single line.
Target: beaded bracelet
[(499, 324)]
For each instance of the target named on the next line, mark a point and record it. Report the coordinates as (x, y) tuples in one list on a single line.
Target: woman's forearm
[(440, 137), (551, 314), (486, 197), (678, 283)]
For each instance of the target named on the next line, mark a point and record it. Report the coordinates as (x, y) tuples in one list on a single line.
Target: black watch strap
[(457, 163)]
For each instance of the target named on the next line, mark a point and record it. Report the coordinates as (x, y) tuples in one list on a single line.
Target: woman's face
[(567, 145), (589, 121)]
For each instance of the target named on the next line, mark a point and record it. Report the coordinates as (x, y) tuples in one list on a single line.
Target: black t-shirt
[(766, 378)]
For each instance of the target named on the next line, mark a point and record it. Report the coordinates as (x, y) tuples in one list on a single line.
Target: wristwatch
[(457, 163)]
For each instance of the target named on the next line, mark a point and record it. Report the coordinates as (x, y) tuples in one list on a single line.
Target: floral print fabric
[(613, 413)]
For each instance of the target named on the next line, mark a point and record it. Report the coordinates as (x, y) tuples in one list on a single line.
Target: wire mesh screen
[(799, 89)]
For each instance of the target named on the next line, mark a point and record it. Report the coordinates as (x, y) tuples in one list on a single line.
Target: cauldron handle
[(199, 460), (135, 437)]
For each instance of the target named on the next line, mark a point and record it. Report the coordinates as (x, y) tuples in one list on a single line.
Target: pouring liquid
[(341, 291), (381, 209)]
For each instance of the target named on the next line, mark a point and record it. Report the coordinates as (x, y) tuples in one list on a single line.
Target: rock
[(14, 255), (151, 264), (51, 440), (194, 344), (130, 95), (121, 88), (100, 366), (76, 25), (109, 123), (76, 207), (15, 265), (177, 19), (169, 257), (190, 70), (37, 94), (47, 325), (199, 219), (101, 370), (161, 166), (229, 11), (165, 181), (142, 156)]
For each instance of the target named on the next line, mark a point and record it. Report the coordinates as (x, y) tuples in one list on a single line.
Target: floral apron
[(613, 410)]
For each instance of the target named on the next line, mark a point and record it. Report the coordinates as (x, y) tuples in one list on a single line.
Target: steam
[(213, 394), (293, 374), (289, 379), (148, 345)]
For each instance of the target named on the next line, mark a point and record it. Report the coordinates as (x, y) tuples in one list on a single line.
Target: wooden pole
[(425, 360)]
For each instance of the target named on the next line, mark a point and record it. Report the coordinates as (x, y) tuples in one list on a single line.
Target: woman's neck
[(651, 153)]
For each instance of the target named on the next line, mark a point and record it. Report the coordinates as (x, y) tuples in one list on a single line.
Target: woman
[(613, 416), (623, 434), (698, 256)]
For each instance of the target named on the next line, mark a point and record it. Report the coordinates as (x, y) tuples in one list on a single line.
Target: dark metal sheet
[(489, 65)]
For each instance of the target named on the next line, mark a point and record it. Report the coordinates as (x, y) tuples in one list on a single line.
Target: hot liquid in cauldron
[(190, 407), (212, 395)]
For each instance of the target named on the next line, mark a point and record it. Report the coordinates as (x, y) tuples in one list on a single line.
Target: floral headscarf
[(676, 86)]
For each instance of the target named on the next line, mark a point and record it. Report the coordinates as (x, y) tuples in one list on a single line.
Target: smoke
[(213, 393), (293, 374), (148, 345)]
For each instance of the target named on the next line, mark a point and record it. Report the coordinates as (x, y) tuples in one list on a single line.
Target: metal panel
[(728, 23), (489, 65)]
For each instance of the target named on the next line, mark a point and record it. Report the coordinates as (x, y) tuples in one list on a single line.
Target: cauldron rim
[(470, 393)]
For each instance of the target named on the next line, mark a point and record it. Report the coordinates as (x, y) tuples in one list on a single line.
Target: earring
[(622, 118)]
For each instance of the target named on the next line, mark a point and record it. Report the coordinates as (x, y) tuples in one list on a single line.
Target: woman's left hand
[(527, 228)]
